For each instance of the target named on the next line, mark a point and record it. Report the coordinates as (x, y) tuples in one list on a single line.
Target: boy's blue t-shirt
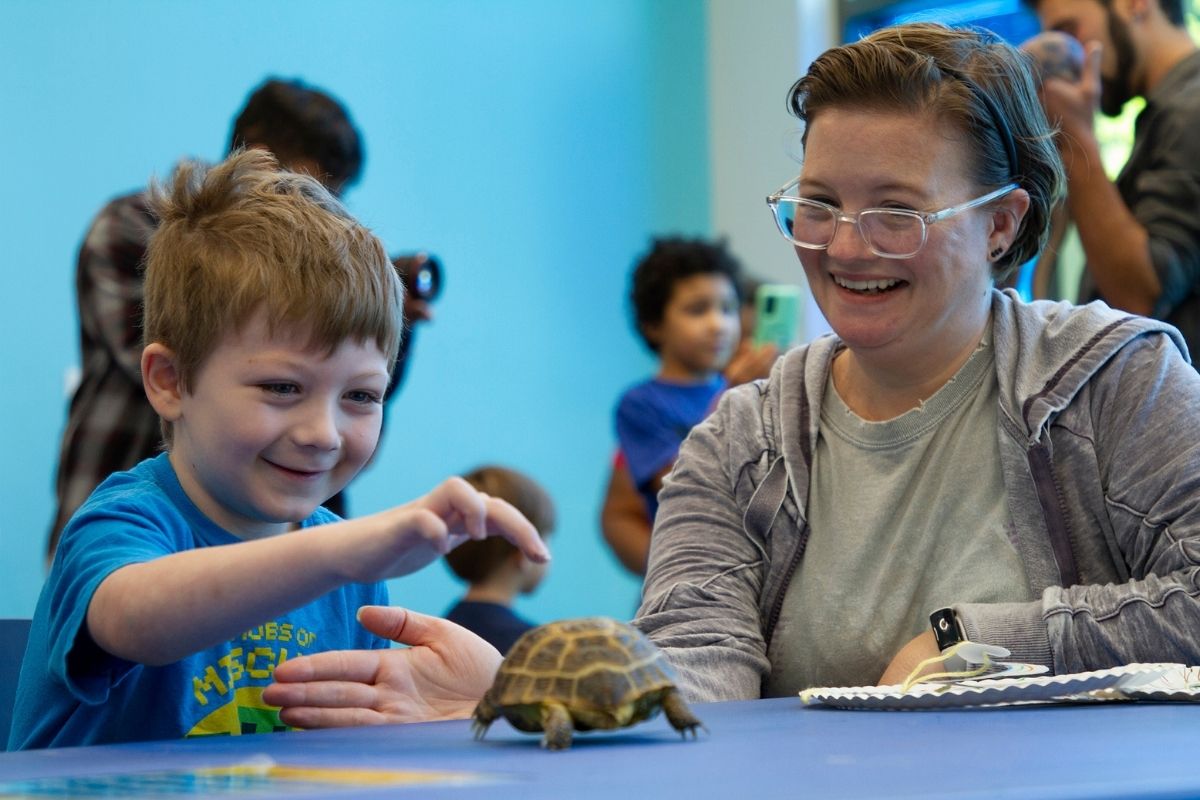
[(653, 419), (72, 693)]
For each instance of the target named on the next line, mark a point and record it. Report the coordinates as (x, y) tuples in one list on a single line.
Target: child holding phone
[(686, 299)]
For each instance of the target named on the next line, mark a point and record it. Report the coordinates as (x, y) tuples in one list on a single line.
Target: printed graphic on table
[(259, 778)]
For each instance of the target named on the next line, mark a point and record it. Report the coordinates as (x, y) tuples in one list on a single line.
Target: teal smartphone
[(777, 314)]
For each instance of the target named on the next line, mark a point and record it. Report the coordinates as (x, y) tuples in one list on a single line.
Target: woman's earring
[(996, 253)]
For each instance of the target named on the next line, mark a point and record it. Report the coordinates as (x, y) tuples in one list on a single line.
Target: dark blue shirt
[(491, 621)]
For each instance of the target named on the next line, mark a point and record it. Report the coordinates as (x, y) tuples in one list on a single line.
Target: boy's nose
[(318, 427), (718, 320)]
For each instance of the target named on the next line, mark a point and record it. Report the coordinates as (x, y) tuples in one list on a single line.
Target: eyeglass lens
[(886, 232)]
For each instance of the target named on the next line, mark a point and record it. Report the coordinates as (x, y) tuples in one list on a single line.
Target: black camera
[(421, 274)]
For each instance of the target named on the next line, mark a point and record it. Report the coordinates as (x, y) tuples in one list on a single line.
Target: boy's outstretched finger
[(457, 498), (506, 521)]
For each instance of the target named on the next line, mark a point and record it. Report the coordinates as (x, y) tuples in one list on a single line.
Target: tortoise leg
[(679, 715), (485, 714), (556, 722)]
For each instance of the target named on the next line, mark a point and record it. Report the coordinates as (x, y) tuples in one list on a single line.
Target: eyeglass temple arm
[(978, 201)]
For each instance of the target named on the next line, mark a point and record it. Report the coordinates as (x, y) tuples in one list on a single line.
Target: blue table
[(763, 748)]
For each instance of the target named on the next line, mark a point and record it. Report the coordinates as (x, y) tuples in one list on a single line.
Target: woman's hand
[(441, 675), (919, 649)]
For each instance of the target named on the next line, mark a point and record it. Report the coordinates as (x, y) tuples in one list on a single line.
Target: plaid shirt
[(111, 425)]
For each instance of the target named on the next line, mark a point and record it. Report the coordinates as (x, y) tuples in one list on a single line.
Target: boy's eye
[(280, 389), (363, 397)]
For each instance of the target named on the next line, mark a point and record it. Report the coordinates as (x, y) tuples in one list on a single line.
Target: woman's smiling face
[(935, 302)]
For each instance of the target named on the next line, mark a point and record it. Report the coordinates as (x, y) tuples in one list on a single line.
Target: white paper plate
[(983, 692), (1177, 684)]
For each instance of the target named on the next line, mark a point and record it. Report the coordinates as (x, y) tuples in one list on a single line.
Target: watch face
[(945, 628)]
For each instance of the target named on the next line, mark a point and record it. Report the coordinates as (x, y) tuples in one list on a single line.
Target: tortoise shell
[(582, 674), (581, 663)]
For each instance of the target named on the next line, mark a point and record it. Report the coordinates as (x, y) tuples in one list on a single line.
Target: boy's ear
[(160, 378), (652, 331)]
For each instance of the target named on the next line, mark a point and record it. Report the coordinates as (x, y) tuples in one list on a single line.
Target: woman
[(1030, 469)]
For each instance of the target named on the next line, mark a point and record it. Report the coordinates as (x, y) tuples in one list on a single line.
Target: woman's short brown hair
[(967, 76)]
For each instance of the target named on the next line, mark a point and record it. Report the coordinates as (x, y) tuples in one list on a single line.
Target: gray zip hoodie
[(1099, 439)]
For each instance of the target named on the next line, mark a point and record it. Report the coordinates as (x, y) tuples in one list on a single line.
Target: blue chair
[(14, 633)]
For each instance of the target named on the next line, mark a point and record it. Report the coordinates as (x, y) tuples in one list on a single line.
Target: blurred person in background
[(1141, 232), (495, 571)]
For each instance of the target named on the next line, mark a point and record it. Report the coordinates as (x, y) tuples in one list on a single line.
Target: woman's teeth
[(866, 286)]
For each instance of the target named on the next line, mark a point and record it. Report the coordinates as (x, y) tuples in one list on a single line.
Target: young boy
[(496, 572), (625, 520), (271, 319), (686, 304)]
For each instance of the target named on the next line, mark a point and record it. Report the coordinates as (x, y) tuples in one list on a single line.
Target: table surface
[(759, 748)]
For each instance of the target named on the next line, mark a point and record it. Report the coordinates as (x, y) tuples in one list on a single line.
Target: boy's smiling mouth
[(299, 473)]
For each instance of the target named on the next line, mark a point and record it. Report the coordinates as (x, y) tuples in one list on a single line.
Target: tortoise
[(582, 674)]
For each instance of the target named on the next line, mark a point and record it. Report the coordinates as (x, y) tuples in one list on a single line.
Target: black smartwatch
[(947, 628)]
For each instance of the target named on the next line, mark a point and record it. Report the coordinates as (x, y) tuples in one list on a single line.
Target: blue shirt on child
[(653, 419), (73, 693)]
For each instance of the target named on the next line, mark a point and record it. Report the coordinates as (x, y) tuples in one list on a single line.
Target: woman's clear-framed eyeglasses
[(888, 232)]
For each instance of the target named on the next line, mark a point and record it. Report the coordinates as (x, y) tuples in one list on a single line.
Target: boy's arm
[(159, 611), (625, 521)]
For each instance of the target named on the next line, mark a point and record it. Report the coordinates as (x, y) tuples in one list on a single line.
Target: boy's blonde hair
[(244, 235)]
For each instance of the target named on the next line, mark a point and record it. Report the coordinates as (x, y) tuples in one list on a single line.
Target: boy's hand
[(441, 675), (406, 538)]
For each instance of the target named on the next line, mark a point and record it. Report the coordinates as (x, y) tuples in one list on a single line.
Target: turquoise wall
[(534, 145)]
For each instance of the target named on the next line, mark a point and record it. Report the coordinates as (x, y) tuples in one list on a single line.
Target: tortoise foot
[(556, 722), (680, 716)]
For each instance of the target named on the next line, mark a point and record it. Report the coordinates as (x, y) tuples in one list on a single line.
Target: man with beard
[(1141, 233)]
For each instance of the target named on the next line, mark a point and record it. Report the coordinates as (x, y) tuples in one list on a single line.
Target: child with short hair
[(625, 519), (496, 572), (271, 321), (686, 301)]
